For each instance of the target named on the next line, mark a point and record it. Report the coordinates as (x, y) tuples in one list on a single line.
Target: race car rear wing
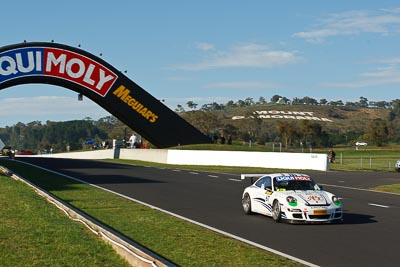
[(251, 176)]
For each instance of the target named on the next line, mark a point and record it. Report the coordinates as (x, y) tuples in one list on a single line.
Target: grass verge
[(181, 242), (394, 188), (34, 233)]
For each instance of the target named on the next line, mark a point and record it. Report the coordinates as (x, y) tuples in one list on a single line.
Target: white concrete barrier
[(152, 155), (278, 160)]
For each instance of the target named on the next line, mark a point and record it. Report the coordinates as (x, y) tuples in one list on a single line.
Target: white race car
[(292, 197)]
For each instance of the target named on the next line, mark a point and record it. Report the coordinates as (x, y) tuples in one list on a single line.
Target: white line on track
[(176, 170), (187, 219), (213, 176), (377, 205), (194, 172), (234, 180)]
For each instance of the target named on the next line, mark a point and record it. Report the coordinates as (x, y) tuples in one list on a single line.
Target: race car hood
[(310, 198)]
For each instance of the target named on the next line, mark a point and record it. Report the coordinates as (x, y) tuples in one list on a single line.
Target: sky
[(211, 51)]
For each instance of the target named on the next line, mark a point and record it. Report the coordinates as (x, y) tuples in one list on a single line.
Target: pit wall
[(278, 160)]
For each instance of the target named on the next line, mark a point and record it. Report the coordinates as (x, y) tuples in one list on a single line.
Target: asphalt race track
[(369, 235)]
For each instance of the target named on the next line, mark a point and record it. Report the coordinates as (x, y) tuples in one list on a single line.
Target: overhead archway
[(91, 76)]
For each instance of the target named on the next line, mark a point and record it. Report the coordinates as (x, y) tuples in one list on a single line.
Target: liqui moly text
[(60, 63)]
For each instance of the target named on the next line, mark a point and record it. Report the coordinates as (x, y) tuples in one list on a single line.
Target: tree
[(378, 132), (323, 101), (311, 132), (229, 129), (396, 107), (351, 104), (230, 104), (249, 101), (179, 109), (363, 102), (308, 101), (275, 98), (381, 104), (241, 103), (261, 101), (212, 106), (284, 100), (207, 122), (253, 125), (191, 105), (296, 101), (286, 130), (336, 103)]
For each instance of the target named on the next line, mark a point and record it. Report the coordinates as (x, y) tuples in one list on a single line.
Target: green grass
[(395, 188), (181, 242), (35, 233), (366, 159)]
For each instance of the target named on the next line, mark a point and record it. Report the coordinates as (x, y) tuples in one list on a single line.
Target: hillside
[(292, 126), (295, 124), (330, 117)]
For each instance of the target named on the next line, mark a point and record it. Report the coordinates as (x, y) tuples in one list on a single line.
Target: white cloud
[(391, 10), (381, 76), (246, 55), (384, 21), (205, 46), (393, 60)]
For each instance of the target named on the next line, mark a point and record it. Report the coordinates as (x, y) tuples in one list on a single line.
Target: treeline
[(277, 99), (216, 119), (60, 135)]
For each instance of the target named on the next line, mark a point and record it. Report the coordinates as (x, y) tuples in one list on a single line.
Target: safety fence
[(379, 163)]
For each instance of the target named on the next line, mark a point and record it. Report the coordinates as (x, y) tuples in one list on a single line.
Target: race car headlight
[(336, 201), (292, 201)]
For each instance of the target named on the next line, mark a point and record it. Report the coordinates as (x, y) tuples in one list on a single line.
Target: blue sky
[(212, 51)]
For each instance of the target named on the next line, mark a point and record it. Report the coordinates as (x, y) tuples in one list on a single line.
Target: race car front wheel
[(276, 211), (246, 202)]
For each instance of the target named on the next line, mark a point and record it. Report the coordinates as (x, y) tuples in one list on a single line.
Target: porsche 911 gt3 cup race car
[(291, 197)]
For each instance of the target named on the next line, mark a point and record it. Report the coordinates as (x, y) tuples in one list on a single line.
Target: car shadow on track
[(354, 218)]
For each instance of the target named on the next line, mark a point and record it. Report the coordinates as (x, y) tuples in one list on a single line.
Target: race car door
[(261, 196)]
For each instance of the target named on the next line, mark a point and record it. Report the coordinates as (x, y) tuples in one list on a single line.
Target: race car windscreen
[(295, 184)]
